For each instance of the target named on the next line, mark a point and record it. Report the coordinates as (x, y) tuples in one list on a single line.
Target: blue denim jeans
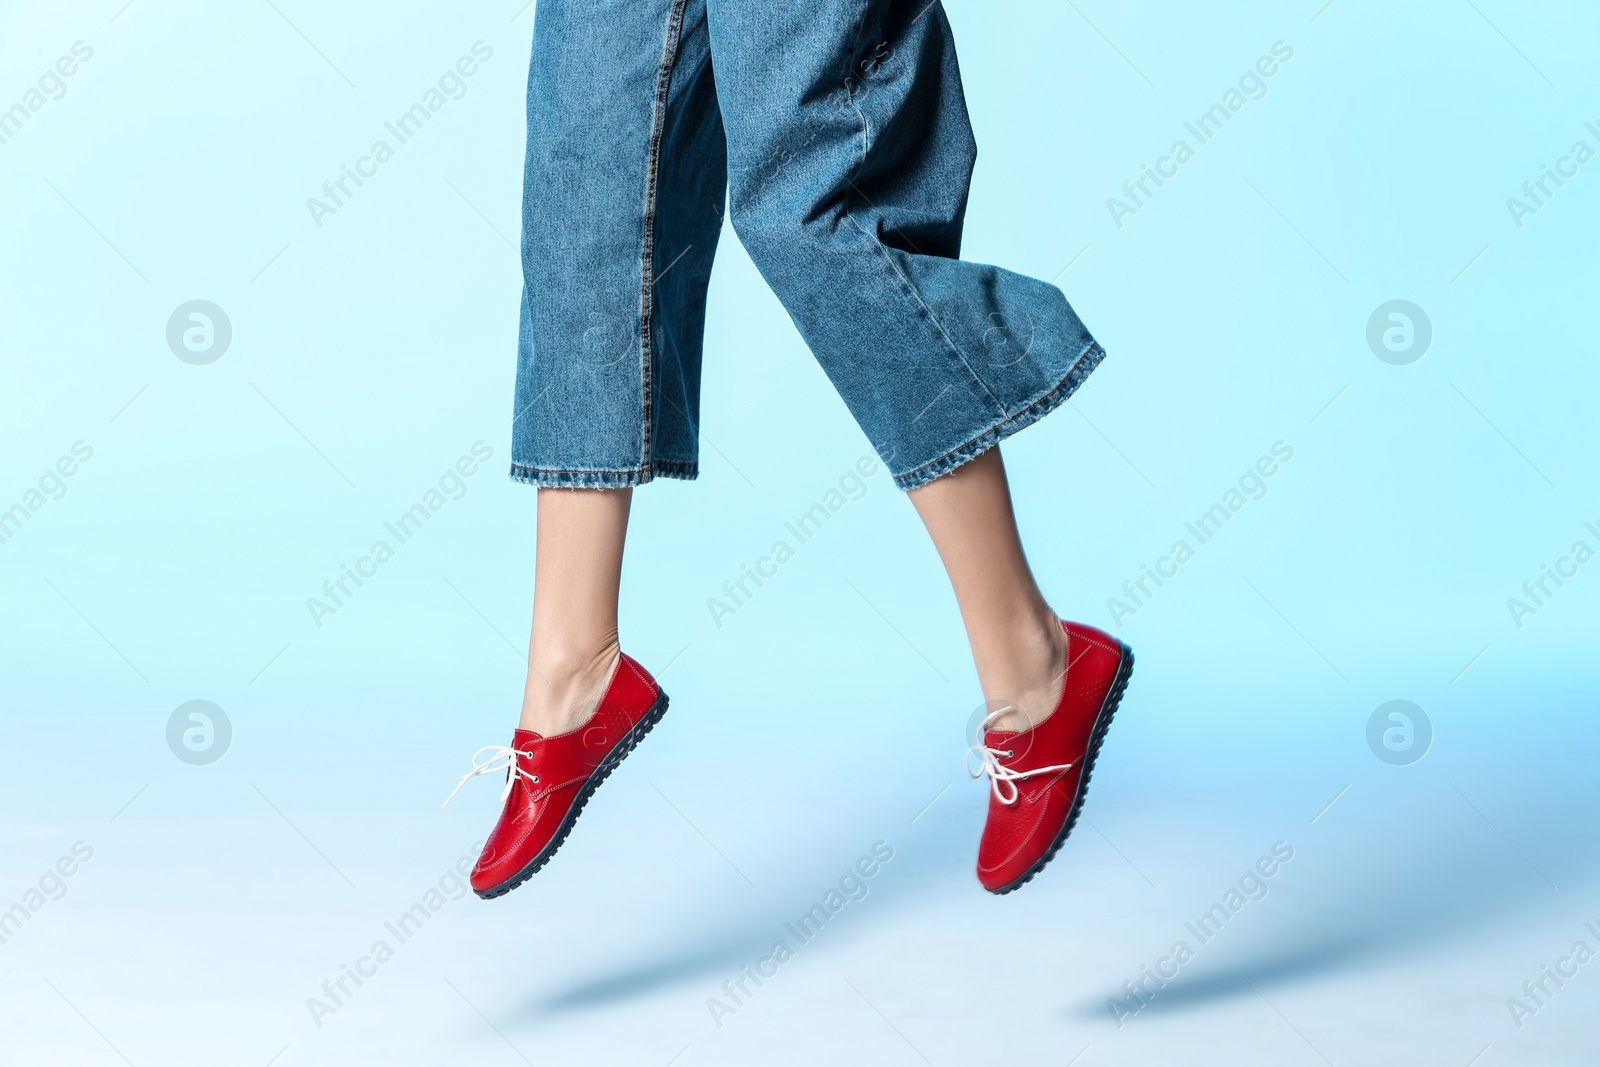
[(836, 133)]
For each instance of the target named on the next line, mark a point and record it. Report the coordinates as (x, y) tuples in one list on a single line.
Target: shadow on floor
[(1385, 887), (713, 947)]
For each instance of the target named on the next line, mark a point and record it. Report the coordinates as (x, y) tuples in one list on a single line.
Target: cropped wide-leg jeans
[(835, 134)]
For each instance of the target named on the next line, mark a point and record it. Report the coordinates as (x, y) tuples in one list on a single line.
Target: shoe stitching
[(638, 672), (1033, 830)]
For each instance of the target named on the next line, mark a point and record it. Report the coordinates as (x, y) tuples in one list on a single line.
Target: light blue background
[(368, 354)]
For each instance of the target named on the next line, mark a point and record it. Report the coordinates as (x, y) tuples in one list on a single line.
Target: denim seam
[(604, 470), (685, 470), (860, 29), (669, 56), (924, 312), (1033, 412)]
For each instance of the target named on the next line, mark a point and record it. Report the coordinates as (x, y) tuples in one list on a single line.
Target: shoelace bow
[(501, 758), (999, 774)]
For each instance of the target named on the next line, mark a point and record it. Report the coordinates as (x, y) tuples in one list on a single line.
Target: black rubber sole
[(1108, 708), (629, 741)]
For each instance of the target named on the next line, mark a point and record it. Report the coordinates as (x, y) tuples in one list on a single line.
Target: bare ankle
[(567, 659), (1024, 682), (565, 685)]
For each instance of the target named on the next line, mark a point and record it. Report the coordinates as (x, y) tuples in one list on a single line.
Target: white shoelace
[(500, 758), (999, 774)]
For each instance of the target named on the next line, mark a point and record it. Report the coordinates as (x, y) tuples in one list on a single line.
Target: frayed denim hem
[(1038, 409), (687, 470)]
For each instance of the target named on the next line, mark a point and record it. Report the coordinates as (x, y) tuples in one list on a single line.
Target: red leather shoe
[(550, 779), (1039, 776)]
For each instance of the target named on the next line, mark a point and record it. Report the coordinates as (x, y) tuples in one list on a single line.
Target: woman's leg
[(1017, 642), (622, 208), (577, 575)]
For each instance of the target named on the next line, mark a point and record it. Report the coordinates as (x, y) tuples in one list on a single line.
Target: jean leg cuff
[(1032, 413)]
